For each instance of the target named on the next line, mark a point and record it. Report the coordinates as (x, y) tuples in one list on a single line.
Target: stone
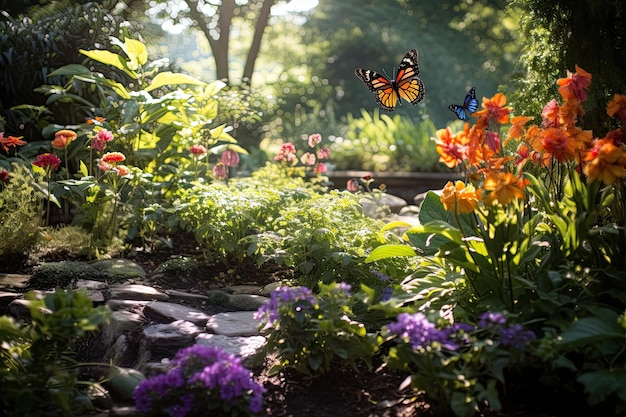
[(371, 205), (121, 322), (18, 309), (164, 340), (168, 312), (137, 292), (120, 352), (244, 347), (236, 323), (120, 268), (6, 298), (176, 295), (244, 289), (247, 302), (91, 285), (130, 305), (14, 280)]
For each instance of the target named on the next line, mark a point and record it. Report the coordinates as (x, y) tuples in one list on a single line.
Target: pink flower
[(104, 166), (198, 150), (47, 161), (323, 153), (287, 153), (4, 176), (220, 172), (314, 139), (121, 170), (308, 159), (230, 158), (320, 168), (99, 141), (550, 114), (352, 185)]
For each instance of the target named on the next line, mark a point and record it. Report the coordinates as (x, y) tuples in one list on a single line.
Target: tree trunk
[(219, 44), (255, 47)]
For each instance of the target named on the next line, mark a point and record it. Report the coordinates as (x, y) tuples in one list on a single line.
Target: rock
[(247, 302), (137, 292), (120, 269), (176, 295), (130, 305), (244, 289), (372, 205), (122, 382), (168, 312), (241, 346), (121, 322), (236, 323), (164, 340), (14, 280), (6, 298)]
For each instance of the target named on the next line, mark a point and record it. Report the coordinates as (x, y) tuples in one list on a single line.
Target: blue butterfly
[(470, 105)]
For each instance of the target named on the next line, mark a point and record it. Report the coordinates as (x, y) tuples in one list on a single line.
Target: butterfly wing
[(470, 105), (408, 86), (384, 90)]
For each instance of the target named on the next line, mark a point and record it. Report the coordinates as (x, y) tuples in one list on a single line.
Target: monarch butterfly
[(470, 105), (405, 85)]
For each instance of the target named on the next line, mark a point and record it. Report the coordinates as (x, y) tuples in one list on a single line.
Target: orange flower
[(493, 110), (10, 141), (574, 86), (460, 198), (504, 187), (113, 157), (550, 114), (558, 144), (63, 138), (121, 170), (451, 149), (605, 162), (617, 107), (517, 128), (96, 120)]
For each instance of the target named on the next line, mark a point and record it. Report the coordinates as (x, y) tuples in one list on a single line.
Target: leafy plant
[(312, 333), (38, 374)]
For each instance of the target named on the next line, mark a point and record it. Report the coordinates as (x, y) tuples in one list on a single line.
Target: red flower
[(197, 149), (4, 176), (47, 161), (113, 157)]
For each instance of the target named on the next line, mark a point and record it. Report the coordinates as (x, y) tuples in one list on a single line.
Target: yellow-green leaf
[(389, 251), (171, 78), (136, 51), (109, 58)]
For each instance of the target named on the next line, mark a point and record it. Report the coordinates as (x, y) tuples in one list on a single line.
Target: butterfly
[(469, 106), (405, 85)]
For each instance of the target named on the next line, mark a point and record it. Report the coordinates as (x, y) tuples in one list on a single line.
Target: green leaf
[(70, 70), (390, 251), (110, 58), (589, 330), (136, 51), (170, 78)]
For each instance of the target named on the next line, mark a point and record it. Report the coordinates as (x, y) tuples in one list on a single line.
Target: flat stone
[(186, 296), (236, 323), (164, 340), (121, 322), (169, 312), (244, 347), (19, 310), (244, 289), (14, 280), (89, 284), (137, 292), (120, 268), (371, 205), (247, 302), (131, 305)]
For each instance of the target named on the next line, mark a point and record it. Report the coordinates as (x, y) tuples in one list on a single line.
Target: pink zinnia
[(104, 166), (121, 170), (230, 158), (220, 171), (352, 185), (314, 139), (197, 149), (320, 168), (99, 141), (47, 160), (308, 159), (287, 153)]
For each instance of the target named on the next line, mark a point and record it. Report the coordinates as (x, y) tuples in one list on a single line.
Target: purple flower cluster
[(421, 333), (201, 376), (514, 335), (279, 297)]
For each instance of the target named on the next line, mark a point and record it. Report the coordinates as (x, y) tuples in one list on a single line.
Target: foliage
[(71, 241), (20, 210), (201, 380), (539, 234), (63, 274), (180, 266), (313, 333), (38, 375), (383, 143), (555, 38)]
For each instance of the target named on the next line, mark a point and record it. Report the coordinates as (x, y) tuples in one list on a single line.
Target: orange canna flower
[(617, 107), (11, 141), (504, 187), (96, 120), (493, 111), (605, 161), (558, 144), (574, 86), (459, 197), (452, 149), (63, 138), (517, 128), (550, 114)]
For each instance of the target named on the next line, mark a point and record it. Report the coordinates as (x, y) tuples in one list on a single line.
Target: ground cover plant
[(515, 272)]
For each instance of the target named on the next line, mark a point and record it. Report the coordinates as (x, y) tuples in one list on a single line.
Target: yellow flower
[(504, 187), (459, 197)]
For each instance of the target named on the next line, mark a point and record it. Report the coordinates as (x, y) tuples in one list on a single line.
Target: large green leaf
[(389, 251), (109, 58), (170, 78)]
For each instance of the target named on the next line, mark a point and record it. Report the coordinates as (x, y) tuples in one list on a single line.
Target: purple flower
[(380, 275), (386, 294), (516, 336), (491, 320), (345, 288), (415, 327), (281, 296)]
